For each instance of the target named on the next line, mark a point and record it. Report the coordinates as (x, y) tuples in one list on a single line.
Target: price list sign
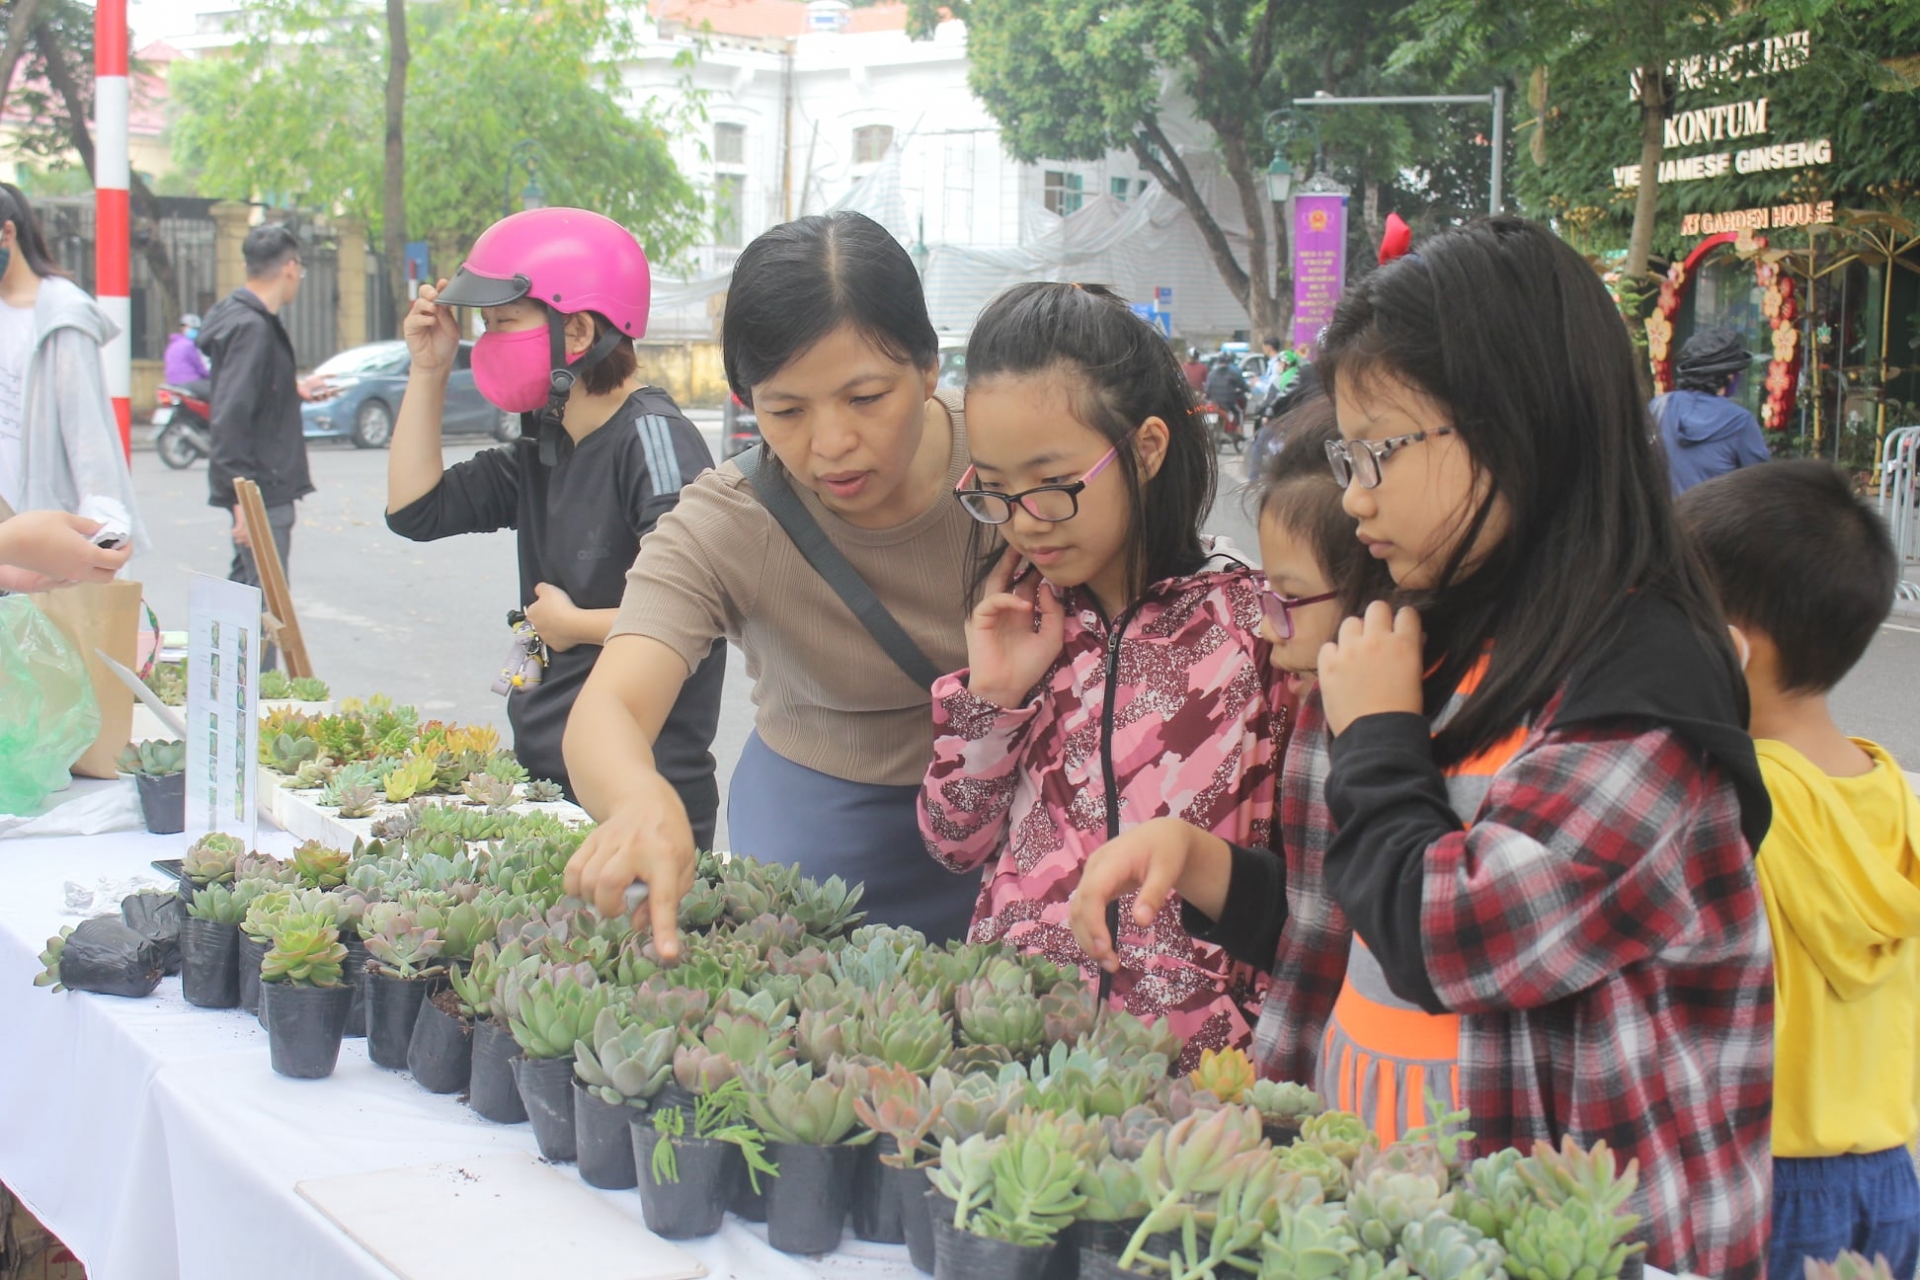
[(223, 707)]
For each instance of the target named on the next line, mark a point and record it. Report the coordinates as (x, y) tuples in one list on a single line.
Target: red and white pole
[(112, 230)]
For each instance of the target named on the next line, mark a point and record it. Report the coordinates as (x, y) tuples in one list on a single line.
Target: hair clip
[(1397, 240)]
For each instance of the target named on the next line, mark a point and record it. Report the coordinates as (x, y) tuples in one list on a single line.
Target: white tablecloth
[(156, 1142)]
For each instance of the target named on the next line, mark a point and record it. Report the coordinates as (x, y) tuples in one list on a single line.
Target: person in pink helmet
[(601, 457)]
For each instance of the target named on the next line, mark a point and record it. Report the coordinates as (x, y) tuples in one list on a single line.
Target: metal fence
[(1900, 498)]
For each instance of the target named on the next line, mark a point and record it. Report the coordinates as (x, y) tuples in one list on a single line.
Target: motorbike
[(182, 423), (1225, 424)]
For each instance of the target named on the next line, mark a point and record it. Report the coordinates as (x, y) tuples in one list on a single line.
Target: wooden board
[(494, 1216), (282, 626)]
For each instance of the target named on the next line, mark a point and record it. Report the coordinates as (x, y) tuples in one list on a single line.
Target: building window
[(871, 142), (1063, 192), (729, 144), (729, 209), (1118, 188)]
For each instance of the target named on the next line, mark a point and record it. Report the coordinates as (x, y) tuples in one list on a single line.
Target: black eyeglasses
[(1279, 609), (1052, 503), (1364, 465)]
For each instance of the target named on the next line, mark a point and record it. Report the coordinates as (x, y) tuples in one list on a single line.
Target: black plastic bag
[(104, 955), (157, 916)]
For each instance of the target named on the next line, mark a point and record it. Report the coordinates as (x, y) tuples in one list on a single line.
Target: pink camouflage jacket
[(1174, 710)]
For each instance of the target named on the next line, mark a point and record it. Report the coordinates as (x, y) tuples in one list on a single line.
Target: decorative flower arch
[(1777, 303)]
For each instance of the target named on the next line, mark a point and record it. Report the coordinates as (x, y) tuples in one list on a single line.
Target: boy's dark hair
[(1118, 373), (1796, 556), (28, 237), (801, 280), (614, 368), (1511, 333), (1273, 340), (267, 248), (1296, 489)]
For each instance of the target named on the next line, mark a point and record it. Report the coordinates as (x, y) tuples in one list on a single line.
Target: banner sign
[(223, 706), (1319, 265)]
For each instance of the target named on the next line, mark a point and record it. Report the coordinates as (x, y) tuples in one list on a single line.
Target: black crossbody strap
[(805, 532)]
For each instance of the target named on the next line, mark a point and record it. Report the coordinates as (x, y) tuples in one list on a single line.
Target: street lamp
[(919, 252), (523, 154), (1279, 179), (532, 197)]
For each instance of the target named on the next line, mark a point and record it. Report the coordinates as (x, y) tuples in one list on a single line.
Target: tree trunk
[(1646, 205), (1370, 213), (19, 29), (1253, 208), (1170, 171), (1282, 274), (393, 203)]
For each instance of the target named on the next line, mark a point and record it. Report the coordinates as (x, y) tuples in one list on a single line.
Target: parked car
[(739, 428), (368, 382)]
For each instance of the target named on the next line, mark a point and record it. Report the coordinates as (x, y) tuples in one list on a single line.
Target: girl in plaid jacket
[(1542, 800)]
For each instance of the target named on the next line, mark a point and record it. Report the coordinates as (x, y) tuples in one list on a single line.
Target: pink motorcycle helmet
[(569, 259)]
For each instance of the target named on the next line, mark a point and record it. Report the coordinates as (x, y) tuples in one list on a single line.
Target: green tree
[(300, 112)]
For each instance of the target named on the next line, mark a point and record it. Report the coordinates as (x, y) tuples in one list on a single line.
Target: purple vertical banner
[(1319, 265)]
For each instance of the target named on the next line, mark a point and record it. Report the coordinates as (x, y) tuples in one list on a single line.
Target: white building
[(815, 106)]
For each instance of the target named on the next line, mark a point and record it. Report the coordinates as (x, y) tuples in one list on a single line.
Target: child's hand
[(1372, 667), (1013, 636), (1150, 861), (552, 614), (432, 333)]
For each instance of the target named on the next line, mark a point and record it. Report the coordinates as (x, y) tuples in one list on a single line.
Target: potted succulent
[(890, 1196), (302, 695), (1012, 1196), (401, 965), (548, 1007), (809, 1123), (686, 1178), (618, 1071), (209, 860), (1184, 1164), (257, 926), (210, 946), (159, 770), (307, 1012), (1283, 1107), (491, 1091)]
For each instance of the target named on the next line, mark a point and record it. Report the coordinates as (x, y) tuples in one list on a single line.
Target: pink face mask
[(512, 370)]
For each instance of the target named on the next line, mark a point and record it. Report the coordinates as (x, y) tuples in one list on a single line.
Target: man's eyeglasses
[(1279, 609), (1051, 503), (1361, 459)]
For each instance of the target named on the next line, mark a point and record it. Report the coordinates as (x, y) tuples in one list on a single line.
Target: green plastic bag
[(48, 714)]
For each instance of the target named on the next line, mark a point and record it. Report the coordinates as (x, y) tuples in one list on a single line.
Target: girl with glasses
[(1115, 669), (1543, 802)]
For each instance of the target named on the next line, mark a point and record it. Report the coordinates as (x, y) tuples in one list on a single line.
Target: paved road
[(426, 621)]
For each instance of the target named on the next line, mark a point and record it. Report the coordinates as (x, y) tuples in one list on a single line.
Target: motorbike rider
[(183, 364), (1196, 370), (1227, 387), (601, 457)]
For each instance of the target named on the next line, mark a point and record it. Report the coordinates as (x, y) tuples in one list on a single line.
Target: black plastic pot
[(696, 1204), (440, 1052), (164, 801), (748, 1203), (808, 1203), (1280, 1135), (1105, 1266), (1634, 1267), (603, 1137), (393, 1006), (210, 964), (876, 1214), (251, 953), (1109, 1238), (492, 1091), (673, 1096), (260, 1003), (962, 1255), (546, 1091), (1063, 1260), (303, 1028), (908, 1187), (358, 976)]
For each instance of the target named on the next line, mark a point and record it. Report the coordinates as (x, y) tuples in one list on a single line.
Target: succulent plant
[(488, 791), (1283, 1102), (699, 1069), (704, 905), (657, 1002), (1225, 1073), (478, 983), (1383, 1201), (223, 904), (1307, 1243), (549, 1006), (904, 1034), (1076, 1080), (1113, 1190), (898, 1103), (462, 926), (262, 868), (402, 947), (320, 867), (973, 1104), (1128, 1133), (965, 1173), (1572, 1241), (545, 791), (209, 860), (1196, 1156), (998, 1008), (502, 765), (1558, 1176), (1125, 1038), (1067, 1014), (1326, 1171), (358, 800), (154, 759), (1340, 1134), (625, 1064), (1035, 1174), (306, 951), (413, 776), (310, 689), (288, 751), (1440, 1248), (824, 1034), (828, 909), (49, 975), (312, 774), (1493, 1191), (790, 1104), (274, 685), (264, 914)]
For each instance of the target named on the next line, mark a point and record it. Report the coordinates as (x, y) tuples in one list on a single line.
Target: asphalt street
[(426, 622)]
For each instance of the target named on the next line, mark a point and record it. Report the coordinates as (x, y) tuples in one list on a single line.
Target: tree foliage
[(297, 113)]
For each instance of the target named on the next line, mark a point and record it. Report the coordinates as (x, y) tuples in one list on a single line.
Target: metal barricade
[(1900, 498)]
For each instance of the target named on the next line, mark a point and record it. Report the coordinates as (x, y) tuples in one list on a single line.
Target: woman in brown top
[(827, 337)]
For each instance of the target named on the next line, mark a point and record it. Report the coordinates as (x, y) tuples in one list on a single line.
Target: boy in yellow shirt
[(1806, 574)]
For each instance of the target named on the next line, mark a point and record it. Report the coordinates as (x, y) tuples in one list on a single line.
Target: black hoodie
[(256, 425)]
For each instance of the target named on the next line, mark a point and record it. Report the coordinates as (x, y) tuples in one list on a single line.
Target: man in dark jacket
[(1705, 433), (256, 394)]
